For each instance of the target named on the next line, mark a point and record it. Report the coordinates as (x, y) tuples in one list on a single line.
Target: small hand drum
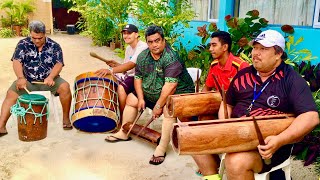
[(96, 106), (32, 114)]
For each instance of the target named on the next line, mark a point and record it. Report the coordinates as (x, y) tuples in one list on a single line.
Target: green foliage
[(18, 11), (170, 15), (101, 20), (6, 33), (243, 30), (294, 55), (25, 32)]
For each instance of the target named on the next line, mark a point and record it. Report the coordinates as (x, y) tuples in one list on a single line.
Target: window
[(316, 21), (292, 12), (206, 10)]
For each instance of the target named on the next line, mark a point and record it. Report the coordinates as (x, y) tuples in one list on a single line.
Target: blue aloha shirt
[(37, 65)]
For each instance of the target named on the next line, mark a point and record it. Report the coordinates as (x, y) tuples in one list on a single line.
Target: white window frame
[(316, 20), (209, 12)]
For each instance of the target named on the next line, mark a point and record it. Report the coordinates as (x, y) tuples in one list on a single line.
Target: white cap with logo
[(270, 38)]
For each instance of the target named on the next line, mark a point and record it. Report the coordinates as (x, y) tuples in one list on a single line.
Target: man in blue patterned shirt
[(37, 58)]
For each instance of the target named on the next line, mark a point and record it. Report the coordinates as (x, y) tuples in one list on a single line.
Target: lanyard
[(256, 96)]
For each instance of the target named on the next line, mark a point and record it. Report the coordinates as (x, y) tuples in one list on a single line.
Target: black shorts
[(278, 157), (128, 84)]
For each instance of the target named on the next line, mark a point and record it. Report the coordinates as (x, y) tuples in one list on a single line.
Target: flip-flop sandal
[(153, 162), (3, 134), (116, 139), (67, 127)]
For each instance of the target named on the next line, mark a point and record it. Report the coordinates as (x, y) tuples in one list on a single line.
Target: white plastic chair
[(53, 105), (193, 73), (285, 166)]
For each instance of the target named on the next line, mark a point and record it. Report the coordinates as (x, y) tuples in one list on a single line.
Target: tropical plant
[(102, 20), (173, 16), (199, 56), (25, 32), (243, 30), (18, 11), (6, 33)]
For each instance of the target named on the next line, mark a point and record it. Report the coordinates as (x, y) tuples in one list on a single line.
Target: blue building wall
[(311, 35)]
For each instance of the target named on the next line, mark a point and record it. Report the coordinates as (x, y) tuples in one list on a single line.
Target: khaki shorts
[(38, 87)]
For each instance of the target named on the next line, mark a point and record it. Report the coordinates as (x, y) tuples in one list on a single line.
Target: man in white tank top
[(131, 37)]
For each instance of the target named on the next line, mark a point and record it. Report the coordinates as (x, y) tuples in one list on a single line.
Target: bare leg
[(167, 125), (122, 99), (208, 164), (65, 98), (129, 113), (9, 101), (243, 165)]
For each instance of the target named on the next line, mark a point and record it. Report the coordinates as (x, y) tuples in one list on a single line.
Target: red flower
[(227, 18), (287, 29)]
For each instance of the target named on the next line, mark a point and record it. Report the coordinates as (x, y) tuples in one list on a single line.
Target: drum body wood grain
[(193, 104), (225, 135)]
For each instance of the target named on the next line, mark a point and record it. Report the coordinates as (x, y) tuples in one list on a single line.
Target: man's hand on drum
[(49, 81), (272, 145), (21, 83), (141, 104), (102, 72), (156, 112)]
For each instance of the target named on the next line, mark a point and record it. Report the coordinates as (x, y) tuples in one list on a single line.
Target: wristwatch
[(110, 69), (158, 106)]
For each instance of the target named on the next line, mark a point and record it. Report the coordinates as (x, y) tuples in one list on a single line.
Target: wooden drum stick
[(99, 57), (37, 82), (25, 88), (135, 121)]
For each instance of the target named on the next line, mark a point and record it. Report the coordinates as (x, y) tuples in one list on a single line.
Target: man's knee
[(12, 95), (64, 88), (132, 100), (245, 161)]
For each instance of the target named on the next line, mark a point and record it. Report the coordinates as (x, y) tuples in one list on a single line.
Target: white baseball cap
[(270, 38)]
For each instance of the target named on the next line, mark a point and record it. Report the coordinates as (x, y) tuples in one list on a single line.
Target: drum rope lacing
[(18, 110), (93, 85)]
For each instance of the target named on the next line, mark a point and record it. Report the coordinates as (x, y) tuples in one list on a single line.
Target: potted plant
[(17, 12)]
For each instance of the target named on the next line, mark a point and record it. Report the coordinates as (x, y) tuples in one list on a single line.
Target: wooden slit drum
[(193, 104), (147, 134), (225, 135)]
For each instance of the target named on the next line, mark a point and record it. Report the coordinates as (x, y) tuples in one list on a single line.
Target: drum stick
[(260, 138), (217, 83), (99, 57), (135, 121), (37, 82), (25, 88), (197, 81), (147, 124), (224, 103)]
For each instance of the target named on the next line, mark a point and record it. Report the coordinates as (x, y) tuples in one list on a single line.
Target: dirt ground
[(78, 155)]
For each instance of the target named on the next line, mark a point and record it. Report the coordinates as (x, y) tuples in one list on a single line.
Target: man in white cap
[(130, 37), (267, 87)]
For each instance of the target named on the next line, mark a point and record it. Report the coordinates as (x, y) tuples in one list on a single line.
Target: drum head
[(37, 99), (95, 124)]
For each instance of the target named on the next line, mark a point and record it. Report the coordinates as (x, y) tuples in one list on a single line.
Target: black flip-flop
[(3, 134), (116, 139), (66, 127), (157, 162)]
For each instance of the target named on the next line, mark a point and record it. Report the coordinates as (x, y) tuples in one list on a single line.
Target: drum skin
[(31, 128), (96, 107)]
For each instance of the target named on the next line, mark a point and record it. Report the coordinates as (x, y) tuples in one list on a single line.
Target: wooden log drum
[(96, 106), (147, 134), (194, 104), (225, 135)]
